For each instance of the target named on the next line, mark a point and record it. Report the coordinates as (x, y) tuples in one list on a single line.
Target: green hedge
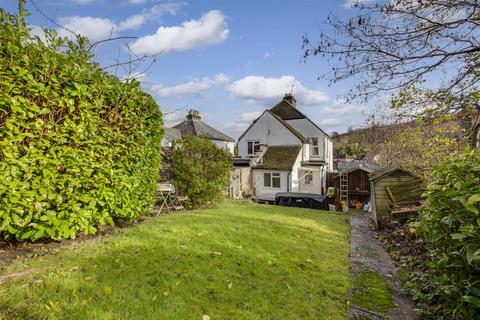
[(451, 224), (201, 170), (78, 147)]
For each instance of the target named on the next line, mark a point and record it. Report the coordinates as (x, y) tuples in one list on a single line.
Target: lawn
[(235, 262)]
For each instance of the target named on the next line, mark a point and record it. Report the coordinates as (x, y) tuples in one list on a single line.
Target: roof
[(171, 134), (279, 158), (381, 173), (286, 111), (367, 166), (196, 127)]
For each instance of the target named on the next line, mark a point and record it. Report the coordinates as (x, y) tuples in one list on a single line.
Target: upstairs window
[(271, 180), (315, 148), (253, 147)]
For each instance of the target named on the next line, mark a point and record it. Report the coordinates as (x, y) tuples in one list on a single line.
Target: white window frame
[(271, 177), (255, 143), (315, 147)]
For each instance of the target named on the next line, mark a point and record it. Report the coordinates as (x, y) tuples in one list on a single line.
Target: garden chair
[(164, 192), (176, 202)]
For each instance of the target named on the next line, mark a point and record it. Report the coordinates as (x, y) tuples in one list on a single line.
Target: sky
[(230, 60)]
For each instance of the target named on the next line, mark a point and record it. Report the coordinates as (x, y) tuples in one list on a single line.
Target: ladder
[(344, 187)]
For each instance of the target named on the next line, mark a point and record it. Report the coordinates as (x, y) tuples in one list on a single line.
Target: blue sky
[(228, 59)]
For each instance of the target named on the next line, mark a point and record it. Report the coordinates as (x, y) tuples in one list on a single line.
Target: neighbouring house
[(351, 181), (194, 126), (391, 187), (285, 151)]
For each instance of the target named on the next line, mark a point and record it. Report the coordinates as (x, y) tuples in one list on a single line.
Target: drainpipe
[(289, 174)]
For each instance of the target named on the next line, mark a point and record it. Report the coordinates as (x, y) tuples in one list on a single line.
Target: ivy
[(78, 147)]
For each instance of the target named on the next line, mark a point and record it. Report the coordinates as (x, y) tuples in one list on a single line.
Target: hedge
[(451, 225), (201, 170), (78, 147)]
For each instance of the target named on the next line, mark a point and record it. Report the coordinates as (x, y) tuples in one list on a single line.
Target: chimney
[(290, 99), (193, 115)]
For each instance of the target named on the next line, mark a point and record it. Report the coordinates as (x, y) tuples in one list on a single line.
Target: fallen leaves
[(107, 291), (216, 253)]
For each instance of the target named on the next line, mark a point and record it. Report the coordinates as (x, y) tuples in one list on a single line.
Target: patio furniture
[(176, 201), (164, 192)]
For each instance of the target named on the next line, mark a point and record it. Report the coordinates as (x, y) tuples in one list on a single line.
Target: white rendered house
[(288, 152)]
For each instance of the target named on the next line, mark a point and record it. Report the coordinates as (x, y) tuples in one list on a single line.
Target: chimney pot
[(290, 99), (193, 114)]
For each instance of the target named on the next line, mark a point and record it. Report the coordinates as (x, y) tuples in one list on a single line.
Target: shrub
[(78, 147), (451, 224), (201, 170)]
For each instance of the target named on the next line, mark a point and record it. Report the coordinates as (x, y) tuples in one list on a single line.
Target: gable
[(271, 131)]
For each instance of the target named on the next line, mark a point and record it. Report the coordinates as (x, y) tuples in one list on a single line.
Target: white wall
[(329, 154), (263, 193), (224, 145), (315, 187), (309, 130), (268, 130)]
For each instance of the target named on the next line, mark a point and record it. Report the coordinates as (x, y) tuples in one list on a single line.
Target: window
[(315, 149), (271, 180), (253, 147), (308, 177)]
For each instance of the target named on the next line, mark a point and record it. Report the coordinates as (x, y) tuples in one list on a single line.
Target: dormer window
[(315, 148), (253, 147)]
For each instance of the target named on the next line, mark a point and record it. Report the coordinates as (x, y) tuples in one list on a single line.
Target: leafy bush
[(201, 170), (451, 224), (78, 147)]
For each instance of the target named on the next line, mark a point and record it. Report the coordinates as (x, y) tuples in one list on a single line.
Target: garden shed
[(352, 184), (394, 191)]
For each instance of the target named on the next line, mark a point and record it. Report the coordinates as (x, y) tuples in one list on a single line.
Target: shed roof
[(381, 173), (279, 158), (368, 166)]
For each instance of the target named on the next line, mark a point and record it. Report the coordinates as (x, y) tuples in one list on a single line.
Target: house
[(351, 182), (285, 151), (194, 126)]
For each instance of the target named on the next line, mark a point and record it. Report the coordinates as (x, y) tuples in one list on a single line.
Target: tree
[(393, 46), (201, 170)]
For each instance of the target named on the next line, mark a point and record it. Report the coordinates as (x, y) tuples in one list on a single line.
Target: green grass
[(235, 262), (371, 292)]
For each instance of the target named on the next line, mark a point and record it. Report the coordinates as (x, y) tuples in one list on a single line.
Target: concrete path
[(366, 254)]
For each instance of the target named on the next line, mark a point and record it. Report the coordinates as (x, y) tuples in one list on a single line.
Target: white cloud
[(97, 29), (83, 2), (139, 76), (93, 28), (132, 22), (210, 29), (191, 88), (356, 3), (249, 116), (172, 118), (268, 54), (343, 108), (270, 90), (332, 122), (243, 121), (37, 31), (137, 1)]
